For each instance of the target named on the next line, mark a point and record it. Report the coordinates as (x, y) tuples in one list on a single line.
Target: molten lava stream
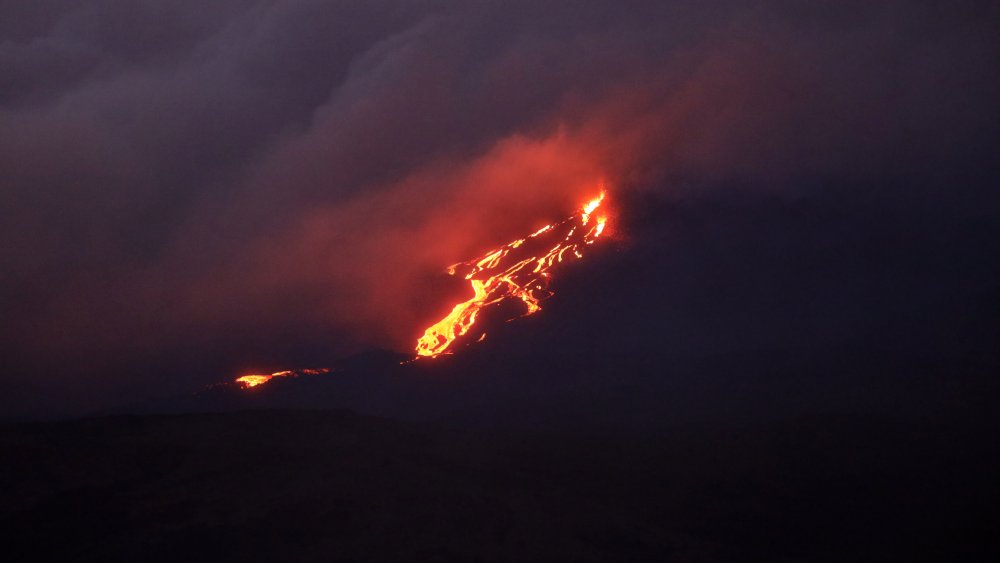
[(248, 381), (518, 270)]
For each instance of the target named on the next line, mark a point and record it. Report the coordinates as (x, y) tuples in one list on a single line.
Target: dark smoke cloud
[(235, 176)]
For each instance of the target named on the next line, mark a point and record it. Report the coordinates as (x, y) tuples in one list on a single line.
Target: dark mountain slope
[(335, 486)]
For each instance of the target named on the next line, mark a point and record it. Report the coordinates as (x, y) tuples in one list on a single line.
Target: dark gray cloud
[(183, 175)]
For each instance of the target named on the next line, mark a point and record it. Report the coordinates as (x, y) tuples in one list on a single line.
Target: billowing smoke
[(240, 176)]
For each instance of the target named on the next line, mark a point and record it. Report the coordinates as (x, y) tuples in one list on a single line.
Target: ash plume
[(228, 184)]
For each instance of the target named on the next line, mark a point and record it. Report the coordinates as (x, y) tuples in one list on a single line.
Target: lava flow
[(248, 381), (518, 270)]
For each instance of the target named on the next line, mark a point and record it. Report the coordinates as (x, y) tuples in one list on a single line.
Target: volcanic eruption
[(519, 270)]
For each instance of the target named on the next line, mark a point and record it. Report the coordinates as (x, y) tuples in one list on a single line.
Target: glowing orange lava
[(518, 270), (248, 381)]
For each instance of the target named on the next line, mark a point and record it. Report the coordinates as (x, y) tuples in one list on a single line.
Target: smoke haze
[(209, 187)]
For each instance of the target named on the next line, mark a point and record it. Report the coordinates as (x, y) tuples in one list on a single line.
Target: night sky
[(192, 191), (784, 347)]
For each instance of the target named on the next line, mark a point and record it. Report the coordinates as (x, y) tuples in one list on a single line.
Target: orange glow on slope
[(517, 270), (248, 381)]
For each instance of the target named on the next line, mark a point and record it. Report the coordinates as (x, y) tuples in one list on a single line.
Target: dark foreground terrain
[(783, 384), (338, 486)]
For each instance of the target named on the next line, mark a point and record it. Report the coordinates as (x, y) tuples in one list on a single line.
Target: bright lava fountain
[(518, 270)]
